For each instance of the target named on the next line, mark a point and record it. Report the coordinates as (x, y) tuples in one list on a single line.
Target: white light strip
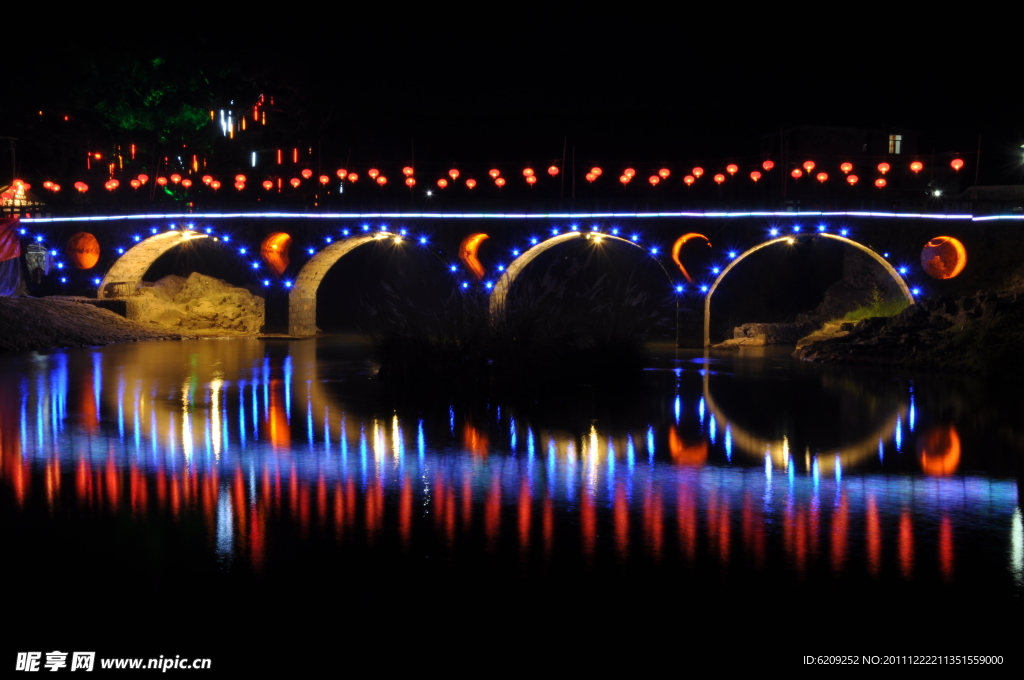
[(506, 216)]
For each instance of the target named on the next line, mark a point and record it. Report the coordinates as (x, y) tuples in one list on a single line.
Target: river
[(263, 502)]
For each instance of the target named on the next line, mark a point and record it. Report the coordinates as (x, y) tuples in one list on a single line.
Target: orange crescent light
[(295, 182), (382, 180), (215, 185), (238, 178), (624, 179), (239, 185), (500, 181), (162, 181), (177, 178), (274, 250), (629, 172), (956, 164), (846, 168), (144, 178), (306, 173), (468, 253), (324, 179), (353, 177), (207, 179), (755, 175), (940, 451), (678, 245), (768, 165), (342, 173), (732, 168), (527, 172), (591, 177), (134, 183), (410, 182), (943, 257), (596, 171)]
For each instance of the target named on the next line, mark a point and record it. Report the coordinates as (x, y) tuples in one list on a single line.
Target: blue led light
[(344, 232), (366, 227), (615, 231), (327, 238), (488, 285), (287, 284), (255, 265), (137, 238), (242, 251), (454, 268), (383, 227), (773, 231), (654, 251), (465, 285), (844, 232), (715, 270), (732, 254), (533, 241), (515, 253), (573, 227), (885, 254), (796, 227), (63, 280), (310, 251), (153, 230), (95, 282), (821, 227), (593, 228), (704, 289), (39, 239), (903, 270), (402, 232), (60, 265), (634, 237), (21, 231), (208, 229), (915, 291), (501, 267), (554, 232), (53, 253), (423, 240), (266, 282), (679, 289), (227, 238), (120, 251)]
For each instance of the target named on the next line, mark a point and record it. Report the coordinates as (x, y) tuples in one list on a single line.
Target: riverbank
[(38, 323)]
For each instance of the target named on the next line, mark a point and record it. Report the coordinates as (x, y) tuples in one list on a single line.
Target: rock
[(198, 302)]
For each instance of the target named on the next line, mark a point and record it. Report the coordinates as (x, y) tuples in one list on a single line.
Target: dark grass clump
[(555, 338)]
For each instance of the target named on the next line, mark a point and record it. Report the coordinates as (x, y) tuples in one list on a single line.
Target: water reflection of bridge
[(254, 443)]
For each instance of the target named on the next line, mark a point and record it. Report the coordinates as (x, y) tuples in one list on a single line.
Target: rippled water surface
[(265, 501)]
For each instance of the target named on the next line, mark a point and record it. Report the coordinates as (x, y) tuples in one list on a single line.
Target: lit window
[(894, 143)]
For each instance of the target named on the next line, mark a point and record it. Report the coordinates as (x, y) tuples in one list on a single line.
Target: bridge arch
[(499, 296), (302, 299), (791, 239), (125, 275)]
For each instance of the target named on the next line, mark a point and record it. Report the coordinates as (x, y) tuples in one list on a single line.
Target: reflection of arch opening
[(790, 239), (499, 295), (302, 299), (126, 273)]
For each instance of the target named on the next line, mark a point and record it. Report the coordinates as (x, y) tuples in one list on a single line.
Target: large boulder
[(198, 302)]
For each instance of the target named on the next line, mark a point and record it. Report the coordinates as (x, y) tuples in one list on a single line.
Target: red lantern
[(382, 180), (553, 170), (113, 184), (956, 164), (624, 179), (470, 183), (177, 178), (719, 178), (883, 168), (407, 171), (373, 173), (500, 181), (528, 172), (852, 179), (596, 172), (797, 173), (591, 177), (880, 183), (442, 183), (454, 174), (664, 173), (653, 179), (324, 179), (494, 173), (206, 179), (755, 175), (531, 180), (47, 184), (629, 172), (295, 182), (143, 178), (55, 188), (768, 165), (689, 179), (306, 173), (916, 166), (238, 178), (353, 177), (268, 185), (410, 181), (342, 173), (186, 183), (135, 184), (108, 186), (697, 172), (822, 177), (215, 185), (239, 185), (162, 181), (732, 169), (808, 166), (846, 167)]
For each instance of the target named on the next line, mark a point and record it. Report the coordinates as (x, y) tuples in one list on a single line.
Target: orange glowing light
[(755, 175), (719, 178), (500, 181), (809, 166), (846, 168), (186, 183), (82, 187), (852, 179), (275, 251), (382, 180), (591, 177), (410, 181), (468, 253), (342, 173), (494, 173), (83, 250), (956, 164), (883, 168), (553, 170), (797, 173), (943, 257), (528, 172), (295, 182), (686, 454), (206, 179), (629, 172), (689, 179), (732, 168), (177, 178), (939, 448), (113, 184), (697, 172), (215, 185), (306, 173), (324, 179), (531, 180), (880, 183), (596, 171), (470, 183), (664, 173), (442, 183), (678, 246), (268, 185), (653, 179), (454, 174), (373, 173), (407, 171), (238, 178), (162, 181), (353, 177), (135, 184), (822, 177), (143, 178), (47, 184), (239, 185), (624, 179), (768, 165), (917, 166)]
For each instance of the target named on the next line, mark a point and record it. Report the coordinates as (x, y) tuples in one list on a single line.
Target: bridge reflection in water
[(257, 445)]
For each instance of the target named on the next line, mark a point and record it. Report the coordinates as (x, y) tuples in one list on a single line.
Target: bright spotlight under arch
[(125, 275), (791, 239)]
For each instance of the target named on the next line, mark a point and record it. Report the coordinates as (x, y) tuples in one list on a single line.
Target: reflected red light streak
[(467, 502), (405, 511), (620, 510), (492, 516), (257, 538), (475, 440), (724, 531), (374, 503), (113, 483), (906, 544), (548, 527), (798, 525), (874, 538), (277, 419), (946, 548), (840, 533), (686, 518), (525, 515), (654, 523), (137, 490), (321, 499), (588, 524)]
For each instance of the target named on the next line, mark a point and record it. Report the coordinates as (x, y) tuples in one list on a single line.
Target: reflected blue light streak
[(650, 444), (728, 442)]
